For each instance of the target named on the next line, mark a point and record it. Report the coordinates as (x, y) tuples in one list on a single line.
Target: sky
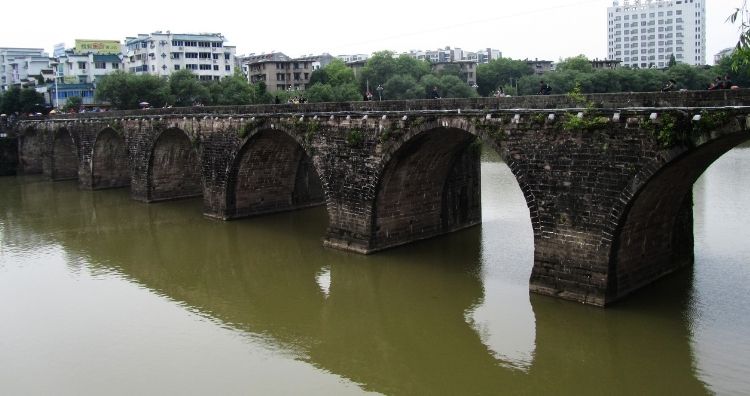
[(540, 29)]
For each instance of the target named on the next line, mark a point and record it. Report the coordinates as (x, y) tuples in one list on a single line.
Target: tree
[(233, 90), (335, 73), (73, 103), (126, 91), (383, 65), (26, 100), (402, 87), (741, 55), (186, 90), (498, 73), (672, 61), (578, 63)]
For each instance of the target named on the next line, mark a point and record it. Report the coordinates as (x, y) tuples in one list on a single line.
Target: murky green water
[(103, 295)]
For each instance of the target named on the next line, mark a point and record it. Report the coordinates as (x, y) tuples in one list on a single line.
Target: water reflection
[(450, 315)]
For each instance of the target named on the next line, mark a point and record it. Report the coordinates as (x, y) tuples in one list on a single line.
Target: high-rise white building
[(646, 33), (162, 54)]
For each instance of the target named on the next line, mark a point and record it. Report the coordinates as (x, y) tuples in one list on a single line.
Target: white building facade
[(19, 66), (646, 33), (161, 54)]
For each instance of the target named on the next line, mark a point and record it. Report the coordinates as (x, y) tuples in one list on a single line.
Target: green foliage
[(26, 100), (355, 137), (186, 90), (383, 66), (538, 118), (335, 73), (578, 63), (333, 93), (125, 91), (740, 58), (234, 90), (385, 134), (672, 61), (73, 103), (620, 80), (710, 120), (499, 73), (671, 130), (586, 123)]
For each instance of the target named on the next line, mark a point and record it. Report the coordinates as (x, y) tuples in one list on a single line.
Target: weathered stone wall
[(8, 156), (109, 162), (30, 151), (174, 171), (63, 159)]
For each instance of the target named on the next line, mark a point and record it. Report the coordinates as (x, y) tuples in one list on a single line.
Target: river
[(100, 294)]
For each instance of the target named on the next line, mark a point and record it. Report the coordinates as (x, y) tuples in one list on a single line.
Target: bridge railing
[(684, 99)]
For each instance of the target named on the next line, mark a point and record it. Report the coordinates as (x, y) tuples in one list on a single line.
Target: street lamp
[(57, 97), (380, 91)]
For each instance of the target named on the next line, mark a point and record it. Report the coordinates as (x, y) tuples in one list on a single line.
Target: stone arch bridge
[(607, 178)]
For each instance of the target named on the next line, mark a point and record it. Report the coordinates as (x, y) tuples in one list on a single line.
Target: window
[(216, 67), (82, 65), (226, 55), (204, 55), (100, 65), (191, 66), (176, 55), (191, 55), (177, 67), (216, 56), (227, 68), (205, 67), (115, 66)]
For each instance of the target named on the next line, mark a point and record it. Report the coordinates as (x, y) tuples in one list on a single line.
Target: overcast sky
[(543, 29)]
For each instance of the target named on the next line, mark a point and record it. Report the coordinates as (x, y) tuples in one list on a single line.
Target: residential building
[(161, 54), (78, 69), (540, 66), (646, 33), (278, 71), (484, 56), (353, 58), (443, 55), (20, 66), (598, 64), (467, 69), (723, 54)]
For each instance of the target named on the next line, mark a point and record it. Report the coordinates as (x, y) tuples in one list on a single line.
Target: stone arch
[(64, 156), (272, 172), (173, 168), (652, 224), (428, 184), (109, 161), (30, 148)]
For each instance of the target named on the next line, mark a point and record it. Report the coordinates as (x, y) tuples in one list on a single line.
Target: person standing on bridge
[(544, 88), (434, 94)]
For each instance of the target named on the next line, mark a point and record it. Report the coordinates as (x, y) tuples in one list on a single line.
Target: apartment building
[(278, 71), (20, 66), (646, 33), (161, 54), (467, 69)]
